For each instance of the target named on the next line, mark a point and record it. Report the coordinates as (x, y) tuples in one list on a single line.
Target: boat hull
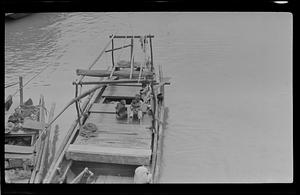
[(16, 15)]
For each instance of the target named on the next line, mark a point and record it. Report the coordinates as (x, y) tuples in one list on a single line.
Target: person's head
[(134, 101), (123, 102), (137, 97)]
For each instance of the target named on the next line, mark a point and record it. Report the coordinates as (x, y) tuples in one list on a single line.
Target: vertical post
[(131, 49), (151, 53), (131, 59), (21, 90), (112, 52)]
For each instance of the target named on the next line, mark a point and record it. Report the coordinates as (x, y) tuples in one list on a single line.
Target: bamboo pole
[(62, 178), (38, 144), (21, 90), (69, 136), (59, 154), (105, 73), (112, 53), (115, 82), (151, 53), (160, 131), (99, 56), (129, 36), (46, 149), (131, 59), (78, 178), (117, 48)]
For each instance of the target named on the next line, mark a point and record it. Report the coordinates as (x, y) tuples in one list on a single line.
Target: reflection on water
[(229, 104)]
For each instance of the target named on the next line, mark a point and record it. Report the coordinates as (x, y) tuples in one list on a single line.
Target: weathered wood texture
[(118, 133), (113, 179), (31, 124), (104, 168), (18, 156), (121, 91), (108, 154), (99, 119), (18, 149), (104, 108), (106, 73)]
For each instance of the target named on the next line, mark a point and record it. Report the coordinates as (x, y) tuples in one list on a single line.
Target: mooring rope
[(31, 79), (10, 85)]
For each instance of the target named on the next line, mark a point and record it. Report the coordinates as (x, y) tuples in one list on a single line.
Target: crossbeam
[(114, 82), (118, 48), (130, 36)]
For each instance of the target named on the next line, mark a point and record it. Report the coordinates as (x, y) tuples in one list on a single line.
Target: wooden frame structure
[(117, 147)]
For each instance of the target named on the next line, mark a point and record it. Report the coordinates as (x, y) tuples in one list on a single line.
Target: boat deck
[(116, 141), (113, 179)]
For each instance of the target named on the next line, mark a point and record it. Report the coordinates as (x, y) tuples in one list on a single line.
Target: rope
[(10, 85), (31, 79)]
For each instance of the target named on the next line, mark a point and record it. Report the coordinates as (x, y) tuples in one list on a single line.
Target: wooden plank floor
[(106, 118), (115, 141), (113, 179), (113, 133), (121, 91)]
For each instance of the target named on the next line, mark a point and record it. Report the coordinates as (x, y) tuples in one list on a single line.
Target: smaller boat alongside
[(26, 138)]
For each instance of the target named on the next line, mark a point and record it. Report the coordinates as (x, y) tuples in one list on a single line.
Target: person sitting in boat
[(121, 110), (135, 108)]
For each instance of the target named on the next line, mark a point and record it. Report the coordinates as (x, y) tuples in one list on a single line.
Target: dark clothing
[(121, 110)]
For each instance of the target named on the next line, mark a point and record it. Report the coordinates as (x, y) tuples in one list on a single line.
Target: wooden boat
[(23, 145), (99, 147), (16, 15)]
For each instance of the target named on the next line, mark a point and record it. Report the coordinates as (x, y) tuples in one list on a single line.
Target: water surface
[(229, 105)]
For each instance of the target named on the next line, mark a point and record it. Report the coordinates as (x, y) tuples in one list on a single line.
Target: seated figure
[(121, 110), (135, 108)]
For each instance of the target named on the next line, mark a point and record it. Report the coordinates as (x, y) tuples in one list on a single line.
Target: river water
[(229, 104)]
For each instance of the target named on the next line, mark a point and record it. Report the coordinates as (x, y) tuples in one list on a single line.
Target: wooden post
[(112, 52), (21, 90), (131, 50), (131, 59), (151, 53)]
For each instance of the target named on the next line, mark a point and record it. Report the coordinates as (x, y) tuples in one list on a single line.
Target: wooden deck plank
[(101, 179), (103, 108), (118, 179), (119, 73), (129, 129), (18, 149), (18, 156), (123, 135), (103, 118), (121, 91), (118, 135), (108, 154), (116, 143), (31, 124), (104, 168)]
